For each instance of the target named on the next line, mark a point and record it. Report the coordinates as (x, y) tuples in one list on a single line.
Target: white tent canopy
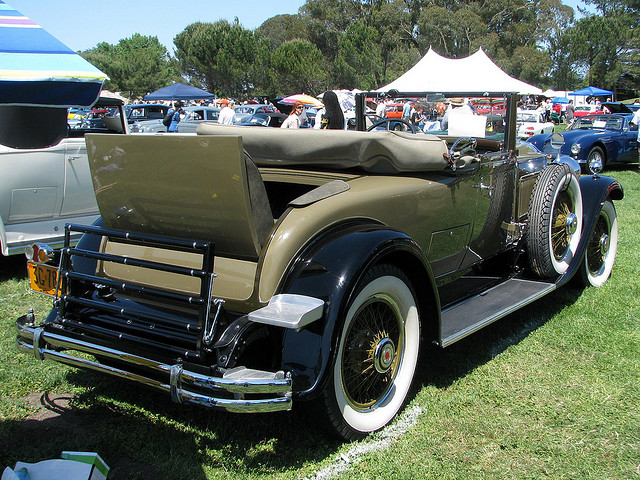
[(475, 73)]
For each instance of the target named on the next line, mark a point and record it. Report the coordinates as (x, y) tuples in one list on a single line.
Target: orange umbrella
[(301, 97)]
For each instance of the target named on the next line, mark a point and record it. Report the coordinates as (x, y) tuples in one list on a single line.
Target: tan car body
[(244, 267)]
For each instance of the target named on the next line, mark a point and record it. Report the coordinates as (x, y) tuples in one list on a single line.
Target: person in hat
[(227, 113), (459, 104)]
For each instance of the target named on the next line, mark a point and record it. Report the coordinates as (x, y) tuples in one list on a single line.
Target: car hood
[(617, 107)]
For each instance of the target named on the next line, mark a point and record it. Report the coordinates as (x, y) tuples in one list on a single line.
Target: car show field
[(435, 277), (549, 390)]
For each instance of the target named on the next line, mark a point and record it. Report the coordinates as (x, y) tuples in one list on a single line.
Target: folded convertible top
[(376, 152)]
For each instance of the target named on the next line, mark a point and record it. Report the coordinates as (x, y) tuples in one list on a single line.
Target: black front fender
[(595, 190), (330, 269)]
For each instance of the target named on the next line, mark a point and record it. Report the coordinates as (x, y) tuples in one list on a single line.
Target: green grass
[(549, 392)]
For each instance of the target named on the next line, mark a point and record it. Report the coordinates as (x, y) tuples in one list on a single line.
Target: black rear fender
[(330, 269)]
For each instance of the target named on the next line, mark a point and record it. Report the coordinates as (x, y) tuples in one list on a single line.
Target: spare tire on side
[(555, 221)]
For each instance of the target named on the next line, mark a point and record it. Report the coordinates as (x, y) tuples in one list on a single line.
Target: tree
[(358, 61), (136, 65), (220, 55), (300, 68), (598, 44), (283, 28)]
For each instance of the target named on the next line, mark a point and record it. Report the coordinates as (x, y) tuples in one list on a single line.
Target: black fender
[(330, 268), (594, 190)]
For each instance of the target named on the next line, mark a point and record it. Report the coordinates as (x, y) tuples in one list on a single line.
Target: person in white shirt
[(636, 121), (227, 113), (293, 120)]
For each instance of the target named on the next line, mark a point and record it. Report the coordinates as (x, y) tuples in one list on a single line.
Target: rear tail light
[(39, 253)]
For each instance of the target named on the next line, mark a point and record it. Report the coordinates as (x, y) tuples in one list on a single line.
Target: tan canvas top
[(377, 151)]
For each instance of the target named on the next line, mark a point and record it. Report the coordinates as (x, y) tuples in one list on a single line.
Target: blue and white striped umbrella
[(37, 69)]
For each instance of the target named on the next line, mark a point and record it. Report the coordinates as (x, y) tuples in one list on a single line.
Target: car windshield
[(527, 117), (442, 114), (598, 122)]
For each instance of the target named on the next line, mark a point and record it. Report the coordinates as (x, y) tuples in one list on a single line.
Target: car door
[(31, 184), (629, 143), (493, 183)]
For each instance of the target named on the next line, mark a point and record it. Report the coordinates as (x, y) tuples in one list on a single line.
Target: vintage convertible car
[(273, 266), (608, 138), (45, 180)]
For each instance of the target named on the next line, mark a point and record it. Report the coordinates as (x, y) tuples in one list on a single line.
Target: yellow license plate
[(42, 278)]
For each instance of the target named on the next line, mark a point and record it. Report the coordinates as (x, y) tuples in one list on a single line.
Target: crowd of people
[(424, 116)]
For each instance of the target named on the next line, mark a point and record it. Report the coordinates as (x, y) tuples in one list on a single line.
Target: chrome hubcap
[(571, 224), (384, 355), (605, 243)]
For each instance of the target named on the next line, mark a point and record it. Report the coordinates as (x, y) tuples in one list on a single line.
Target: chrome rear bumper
[(240, 389)]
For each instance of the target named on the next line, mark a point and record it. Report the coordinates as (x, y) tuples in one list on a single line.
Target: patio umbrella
[(301, 97), (560, 100), (179, 91), (36, 69), (346, 98)]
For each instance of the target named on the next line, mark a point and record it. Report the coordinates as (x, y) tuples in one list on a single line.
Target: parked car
[(45, 180), (532, 123), (605, 138), (280, 265), (270, 119), (393, 110), (145, 111), (254, 108), (582, 110), (193, 116)]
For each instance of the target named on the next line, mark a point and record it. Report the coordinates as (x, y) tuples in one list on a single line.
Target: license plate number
[(42, 278)]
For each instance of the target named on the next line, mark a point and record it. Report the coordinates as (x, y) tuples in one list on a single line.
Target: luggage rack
[(129, 320)]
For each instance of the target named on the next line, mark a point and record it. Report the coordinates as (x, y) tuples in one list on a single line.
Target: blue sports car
[(608, 138)]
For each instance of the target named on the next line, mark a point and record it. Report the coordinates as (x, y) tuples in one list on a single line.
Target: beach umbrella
[(346, 98), (179, 91), (301, 97), (36, 69), (560, 100)]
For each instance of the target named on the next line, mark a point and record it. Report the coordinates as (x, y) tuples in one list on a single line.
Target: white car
[(44, 173), (532, 123)]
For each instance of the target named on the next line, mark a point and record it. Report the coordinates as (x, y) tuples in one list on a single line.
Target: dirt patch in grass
[(54, 418)]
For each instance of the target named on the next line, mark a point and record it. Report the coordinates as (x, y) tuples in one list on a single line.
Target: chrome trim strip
[(45, 345)]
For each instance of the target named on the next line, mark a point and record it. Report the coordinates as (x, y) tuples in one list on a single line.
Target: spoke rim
[(373, 351), (562, 225)]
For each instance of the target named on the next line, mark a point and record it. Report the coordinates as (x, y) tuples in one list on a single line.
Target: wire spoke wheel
[(560, 230), (555, 221), (372, 352), (601, 249), (376, 356)]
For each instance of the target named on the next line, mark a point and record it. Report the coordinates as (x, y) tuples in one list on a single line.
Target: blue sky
[(82, 24)]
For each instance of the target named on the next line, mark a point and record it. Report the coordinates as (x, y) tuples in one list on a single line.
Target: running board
[(472, 314)]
